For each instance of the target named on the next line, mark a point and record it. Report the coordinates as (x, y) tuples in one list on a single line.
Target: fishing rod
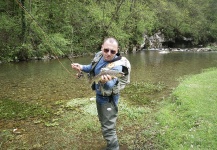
[(69, 59), (44, 33)]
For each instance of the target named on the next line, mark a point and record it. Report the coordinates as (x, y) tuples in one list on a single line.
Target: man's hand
[(105, 78), (76, 66)]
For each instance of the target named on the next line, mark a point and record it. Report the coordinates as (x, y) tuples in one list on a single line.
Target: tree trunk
[(23, 22)]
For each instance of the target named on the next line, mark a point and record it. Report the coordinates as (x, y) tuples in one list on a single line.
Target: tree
[(77, 27)]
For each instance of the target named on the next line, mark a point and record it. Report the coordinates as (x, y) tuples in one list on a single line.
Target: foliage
[(213, 46), (185, 18), (9, 37), (77, 27)]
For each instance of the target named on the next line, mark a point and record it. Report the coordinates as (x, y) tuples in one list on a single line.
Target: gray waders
[(107, 114)]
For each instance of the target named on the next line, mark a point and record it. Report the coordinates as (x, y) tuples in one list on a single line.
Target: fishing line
[(45, 35)]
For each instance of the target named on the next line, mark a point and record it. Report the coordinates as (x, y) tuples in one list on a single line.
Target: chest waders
[(107, 114), (108, 111)]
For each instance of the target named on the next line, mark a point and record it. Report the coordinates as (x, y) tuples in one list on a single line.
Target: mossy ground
[(74, 125)]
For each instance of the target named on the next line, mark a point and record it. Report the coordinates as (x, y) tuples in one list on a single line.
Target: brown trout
[(112, 73)]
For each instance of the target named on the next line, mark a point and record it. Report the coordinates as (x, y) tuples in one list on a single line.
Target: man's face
[(109, 50)]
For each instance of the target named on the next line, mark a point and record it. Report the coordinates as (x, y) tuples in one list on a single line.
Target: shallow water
[(49, 80)]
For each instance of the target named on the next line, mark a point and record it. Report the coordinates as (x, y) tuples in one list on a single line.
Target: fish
[(104, 71)]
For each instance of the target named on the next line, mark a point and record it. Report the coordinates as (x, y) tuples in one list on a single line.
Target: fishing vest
[(122, 81)]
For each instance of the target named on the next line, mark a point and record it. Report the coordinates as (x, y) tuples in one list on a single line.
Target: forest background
[(70, 27)]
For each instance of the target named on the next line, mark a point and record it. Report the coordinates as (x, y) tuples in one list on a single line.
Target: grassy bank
[(188, 120)]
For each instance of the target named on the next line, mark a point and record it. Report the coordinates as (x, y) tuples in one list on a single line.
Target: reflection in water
[(48, 80)]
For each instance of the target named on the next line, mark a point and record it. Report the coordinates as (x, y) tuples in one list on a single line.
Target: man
[(106, 102)]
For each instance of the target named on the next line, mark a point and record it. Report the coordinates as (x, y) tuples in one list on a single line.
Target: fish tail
[(101, 90)]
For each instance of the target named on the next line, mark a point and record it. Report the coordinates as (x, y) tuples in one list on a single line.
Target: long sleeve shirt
[(101, 64)]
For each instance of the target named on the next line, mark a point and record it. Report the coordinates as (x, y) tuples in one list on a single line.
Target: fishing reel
[(80, 75)]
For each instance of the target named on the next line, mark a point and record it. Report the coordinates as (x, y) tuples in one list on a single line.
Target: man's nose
[(109, 53)]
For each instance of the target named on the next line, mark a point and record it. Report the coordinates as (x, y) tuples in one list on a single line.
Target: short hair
[(110, 40)]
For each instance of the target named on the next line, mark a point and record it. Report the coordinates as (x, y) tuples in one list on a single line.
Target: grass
[(188, 120), (83, 122)]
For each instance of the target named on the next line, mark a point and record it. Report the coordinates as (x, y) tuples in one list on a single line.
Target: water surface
[(49, 80)]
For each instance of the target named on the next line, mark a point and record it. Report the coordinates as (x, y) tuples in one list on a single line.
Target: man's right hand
[(76, 66)]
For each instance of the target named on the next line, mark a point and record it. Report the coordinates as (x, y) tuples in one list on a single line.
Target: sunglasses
[(106, 50)]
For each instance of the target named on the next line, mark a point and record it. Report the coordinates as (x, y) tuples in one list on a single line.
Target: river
[(48, 80)]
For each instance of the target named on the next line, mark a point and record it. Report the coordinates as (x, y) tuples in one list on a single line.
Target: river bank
[(187, 119), (70, 57)]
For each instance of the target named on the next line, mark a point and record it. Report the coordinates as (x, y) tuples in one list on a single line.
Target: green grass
[(188, 120), (81, 120)]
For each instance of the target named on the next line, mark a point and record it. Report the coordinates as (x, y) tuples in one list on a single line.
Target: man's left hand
[(105, 78)]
